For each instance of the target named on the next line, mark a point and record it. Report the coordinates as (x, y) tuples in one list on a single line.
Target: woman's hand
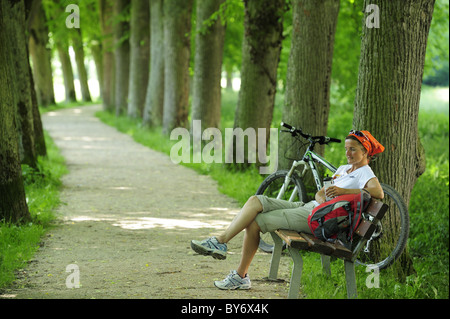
[(331, 192), (320, 196), (334, 191)]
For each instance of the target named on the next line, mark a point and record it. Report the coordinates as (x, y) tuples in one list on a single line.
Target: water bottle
[(327, 182)]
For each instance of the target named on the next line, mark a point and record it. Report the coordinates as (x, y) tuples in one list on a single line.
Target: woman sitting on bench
[(265, 214)]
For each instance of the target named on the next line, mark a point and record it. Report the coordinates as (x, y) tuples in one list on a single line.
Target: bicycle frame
[(309, 161)]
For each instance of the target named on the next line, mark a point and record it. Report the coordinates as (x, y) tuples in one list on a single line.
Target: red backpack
[(342, 214)]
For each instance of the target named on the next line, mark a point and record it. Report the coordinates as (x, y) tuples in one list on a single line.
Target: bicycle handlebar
[(313, 139)]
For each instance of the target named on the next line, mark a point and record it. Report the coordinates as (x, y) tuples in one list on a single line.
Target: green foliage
[(18, 243), (438, 40), (17, 246), (232, 13), (423, 285), (347, 46), (429, 205)]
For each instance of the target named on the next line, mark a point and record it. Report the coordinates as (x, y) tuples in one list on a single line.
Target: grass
[(428, 243), (18, 243)]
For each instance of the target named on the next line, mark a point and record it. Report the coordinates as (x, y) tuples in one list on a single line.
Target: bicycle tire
[(270, 187), (380, 252)]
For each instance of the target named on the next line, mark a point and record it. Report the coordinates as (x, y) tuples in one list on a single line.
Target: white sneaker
[(234, 281)]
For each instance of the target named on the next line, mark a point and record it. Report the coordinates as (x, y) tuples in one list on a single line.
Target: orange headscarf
[(368, 141)]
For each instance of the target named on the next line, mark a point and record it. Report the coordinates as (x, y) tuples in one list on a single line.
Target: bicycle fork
[(288, 178)]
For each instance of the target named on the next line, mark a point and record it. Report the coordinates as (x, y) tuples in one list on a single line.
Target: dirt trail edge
[(126, 224)]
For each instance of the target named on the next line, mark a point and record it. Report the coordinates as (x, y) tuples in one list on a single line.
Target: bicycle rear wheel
[(391, 235), (271, 187)]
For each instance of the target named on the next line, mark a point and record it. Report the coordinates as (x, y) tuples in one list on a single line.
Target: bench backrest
[(366, 228)]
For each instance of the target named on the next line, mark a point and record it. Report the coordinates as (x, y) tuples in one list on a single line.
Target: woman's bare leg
[(249, 248), (242, 220)]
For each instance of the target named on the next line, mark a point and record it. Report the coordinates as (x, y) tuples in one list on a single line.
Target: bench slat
[(317, 245), (292, 238), (365, 229), (377, 209), (308, 242)]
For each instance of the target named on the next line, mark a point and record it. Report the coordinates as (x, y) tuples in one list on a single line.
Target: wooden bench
[(300, 241)]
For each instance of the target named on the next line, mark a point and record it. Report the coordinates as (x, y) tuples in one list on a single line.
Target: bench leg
[(326, 264), (296, 273), (350, 279), (276, 255)]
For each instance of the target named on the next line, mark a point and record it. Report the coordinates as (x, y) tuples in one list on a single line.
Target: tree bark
[(66, 66), (263, 27), (389, 86), (39, 138), (140, 57), (121, 57), (177, 27), (41, 56), (307, 97), (154, 100), (24, 91), (106, 14), (77, 41), (388, 92), (13, 206), (206, 97)]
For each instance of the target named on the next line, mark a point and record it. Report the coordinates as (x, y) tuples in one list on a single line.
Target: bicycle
[(388, 241)]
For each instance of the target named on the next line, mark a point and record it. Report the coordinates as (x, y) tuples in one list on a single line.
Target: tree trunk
[(121, 56), (66, 66), (154, 100), (177, 27), (106, 14), (13, 206), (39, 138), (308, 80), (140, 56), (57, 16), (206, 99), (388, 92), (41, 56), (96, 50), (24, 106), (263, 27), (77, 41)]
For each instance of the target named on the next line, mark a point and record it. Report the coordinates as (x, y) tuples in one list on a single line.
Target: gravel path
[(128, 217)]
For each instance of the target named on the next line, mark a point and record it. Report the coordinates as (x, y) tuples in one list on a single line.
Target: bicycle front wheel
[(391, 235), (272, 187)]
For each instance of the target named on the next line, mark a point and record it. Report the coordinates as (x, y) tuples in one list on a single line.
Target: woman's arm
[(372, 186)]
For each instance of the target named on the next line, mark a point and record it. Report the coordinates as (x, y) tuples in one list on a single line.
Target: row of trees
[(391, 66), (142, 51), (21, 133)]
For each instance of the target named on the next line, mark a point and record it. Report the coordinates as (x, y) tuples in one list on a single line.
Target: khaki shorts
[(281, 214)]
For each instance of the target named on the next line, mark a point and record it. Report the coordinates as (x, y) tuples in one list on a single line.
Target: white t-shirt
[(356, 179)]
